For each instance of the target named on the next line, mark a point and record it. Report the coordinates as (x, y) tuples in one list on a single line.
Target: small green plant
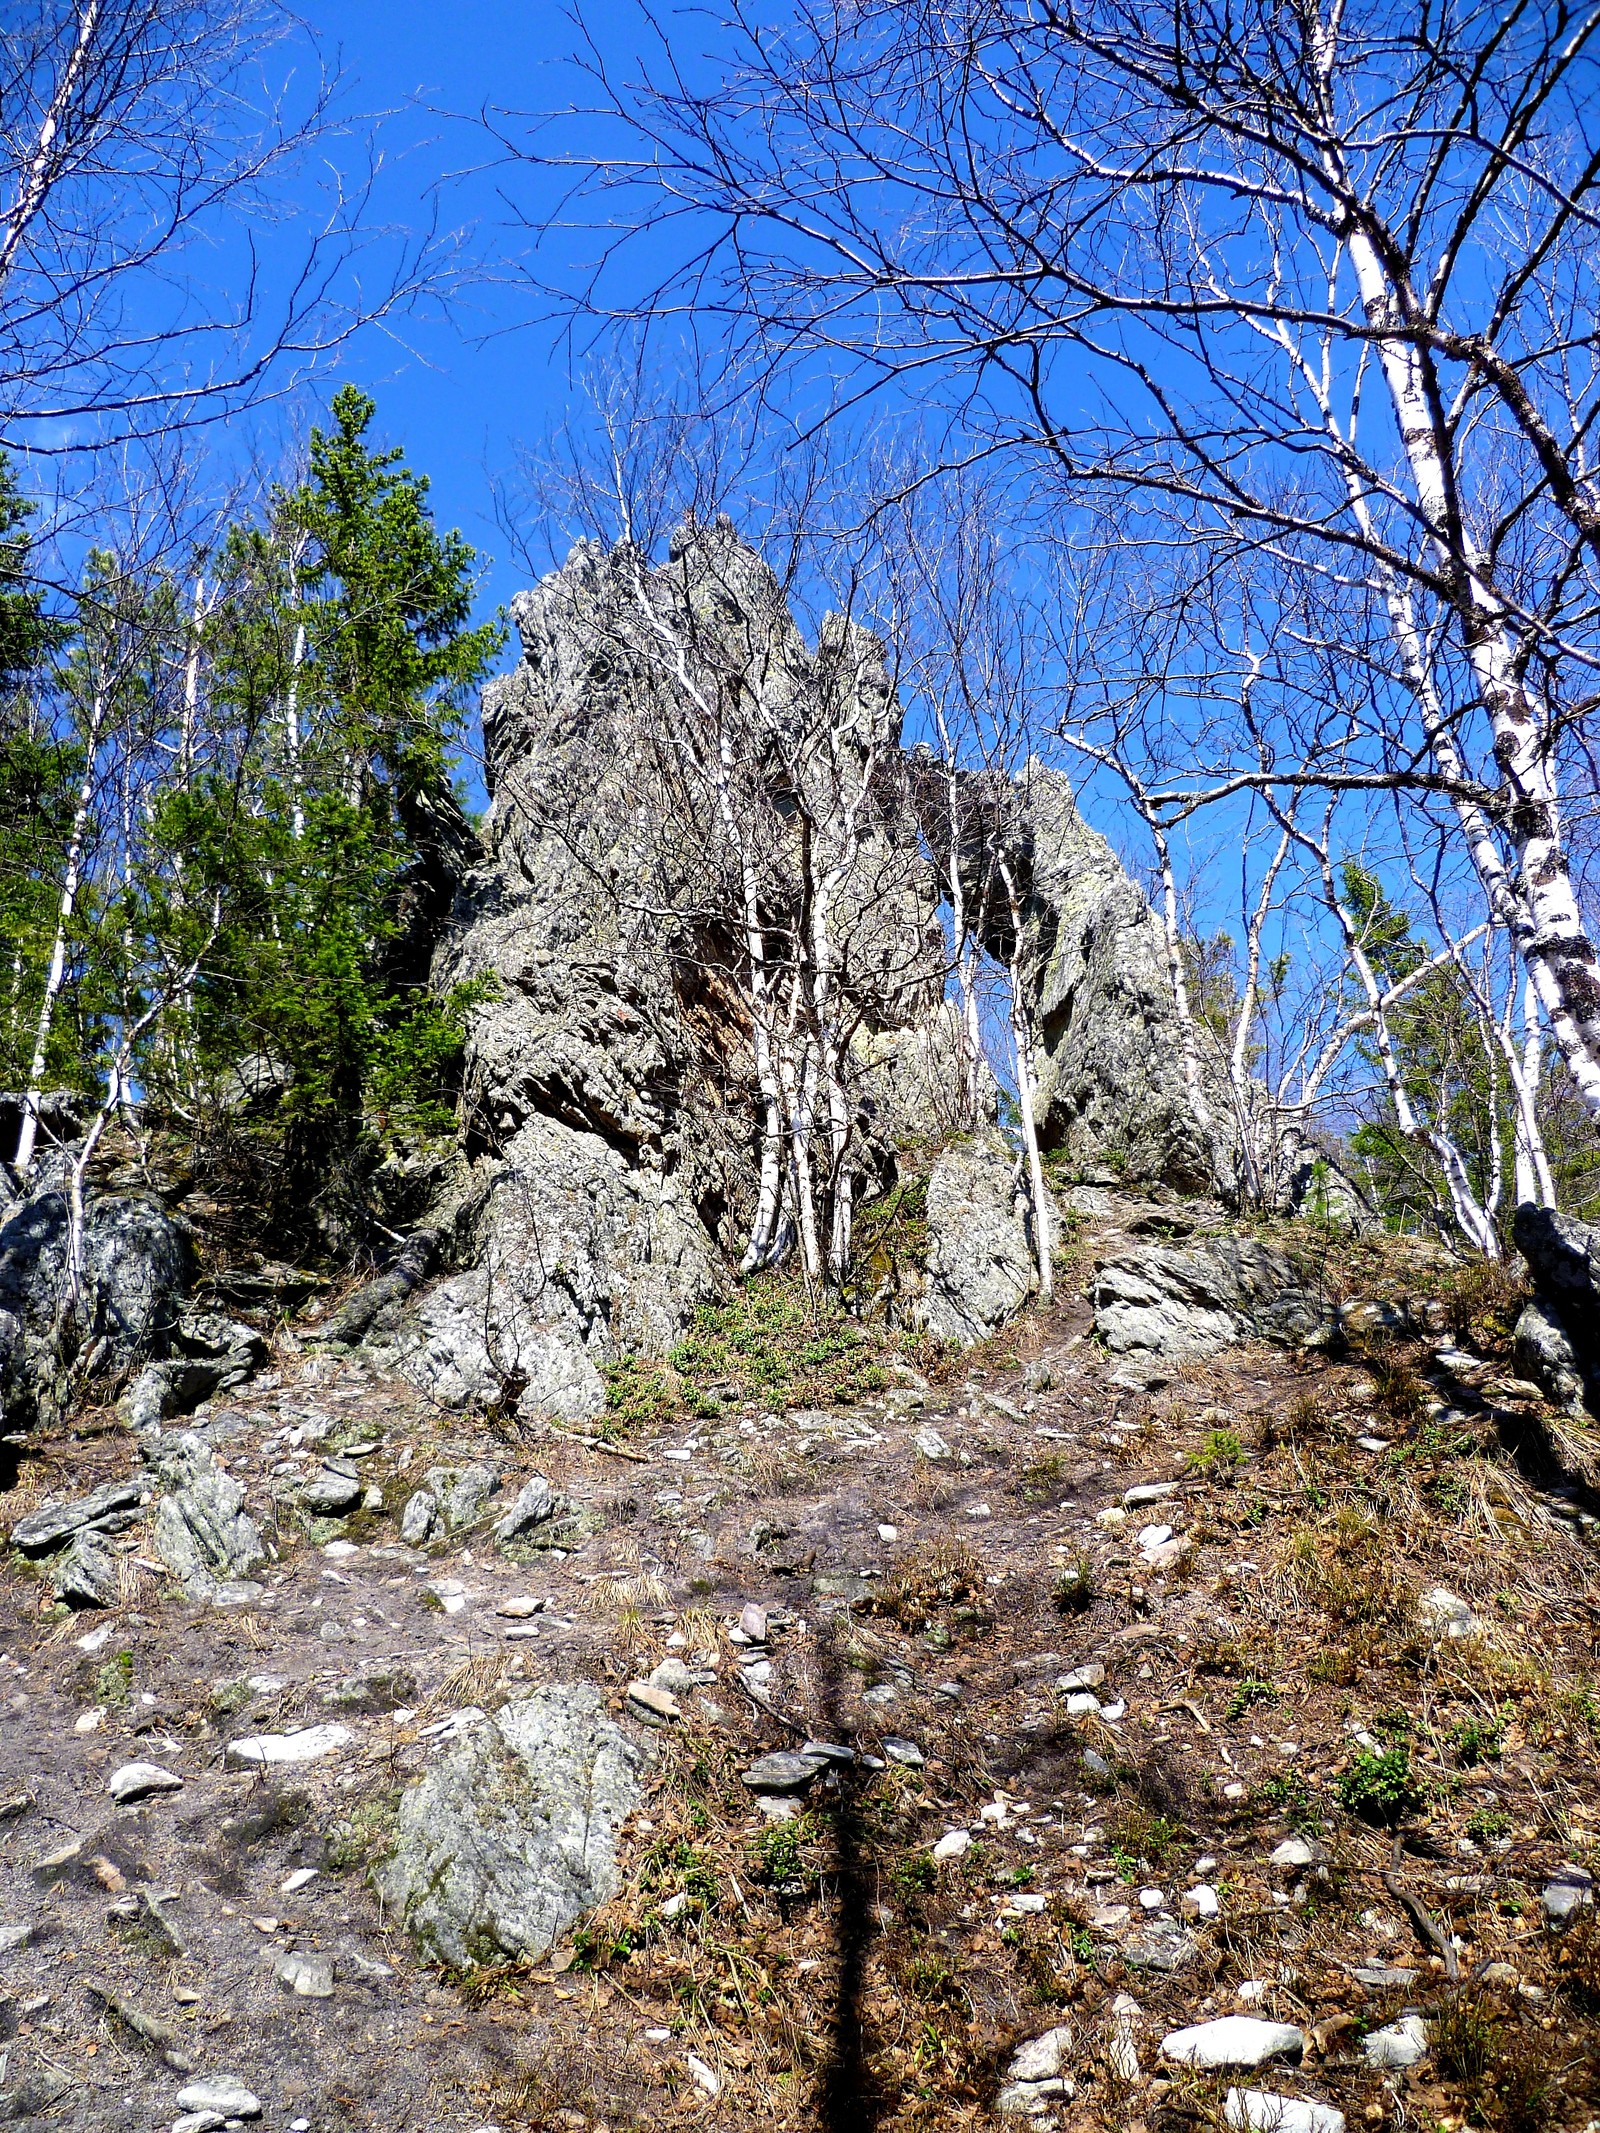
[(1289, 1796), (1478, 1740), (1043, 1479), (1379, 1787), (361, 1836), (778, 1858), (915, 1874), (1219, 1452), (1140, 1840), (932, 1978), (1465, 2034), (673, 1864), (1081, 1941), (639, 1394), (113, 1683), (1487, 1824), (1251, 1690), (1393, 1724), (1073, 1591)]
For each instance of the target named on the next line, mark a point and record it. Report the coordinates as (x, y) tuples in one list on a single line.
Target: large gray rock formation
[(511, 1837), (137, 1266), (614, 1133), (1183, 1301), (646, 785), (1558, 1334)]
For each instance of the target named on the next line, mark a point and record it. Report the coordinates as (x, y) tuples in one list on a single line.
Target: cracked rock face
[(1184, 1301), (512, 1835), (981, 1267), (137, 1264), (1111, 1088)]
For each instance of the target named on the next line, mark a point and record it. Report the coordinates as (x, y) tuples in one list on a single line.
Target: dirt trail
[(949, 1567)]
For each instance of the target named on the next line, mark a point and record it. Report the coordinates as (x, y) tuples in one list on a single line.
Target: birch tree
[(140, 141), (1308, 284)]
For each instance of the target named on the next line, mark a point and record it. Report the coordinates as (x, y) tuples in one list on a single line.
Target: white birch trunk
[(1022, 1045), (35, 186), (1557, 950), (71, 882)]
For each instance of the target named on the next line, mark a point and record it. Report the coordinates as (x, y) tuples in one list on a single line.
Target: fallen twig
[(161, 2034), (1441, 1943)]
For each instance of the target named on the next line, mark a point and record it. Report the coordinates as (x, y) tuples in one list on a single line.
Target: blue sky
[(460, 393)]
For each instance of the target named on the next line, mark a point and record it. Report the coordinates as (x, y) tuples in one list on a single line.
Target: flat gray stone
[(1041, 2058), (384, 1688), (309, 1745), (309, 1977), (782, 1771), (330, 1495), (47, 1527), (1445, 1614), (511, 1837), (136, 1781), (1566, 1892), (1233, 2040), (1259, 2111), (219, 2092), (1399, 2045)]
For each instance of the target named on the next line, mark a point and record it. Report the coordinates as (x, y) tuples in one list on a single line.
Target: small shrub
[(777, 1858), (1478, 1740), (1073, 1591), (937, 1588), (1483, 1303), (1289, 1796), (673, 1864), (915, 1874), (1219, 1453), (1379, 1787), (1487, 1824), (1465, 2034), (1140, 1840), (363, 1835), (639, 1394), (1042, 1479), (1251, 1690), (113, 1683)]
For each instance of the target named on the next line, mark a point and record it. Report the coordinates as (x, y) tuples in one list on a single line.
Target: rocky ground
[(1211, 1745)]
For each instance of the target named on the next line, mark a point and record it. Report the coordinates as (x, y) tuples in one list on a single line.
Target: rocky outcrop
[(137, 1266), (1181, 1302), (202, 1531), (512, 1835), (1558, 1334), (1111, 1092), (614, 1137), (207, 1354), (981, 1264), (68, 1541)]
